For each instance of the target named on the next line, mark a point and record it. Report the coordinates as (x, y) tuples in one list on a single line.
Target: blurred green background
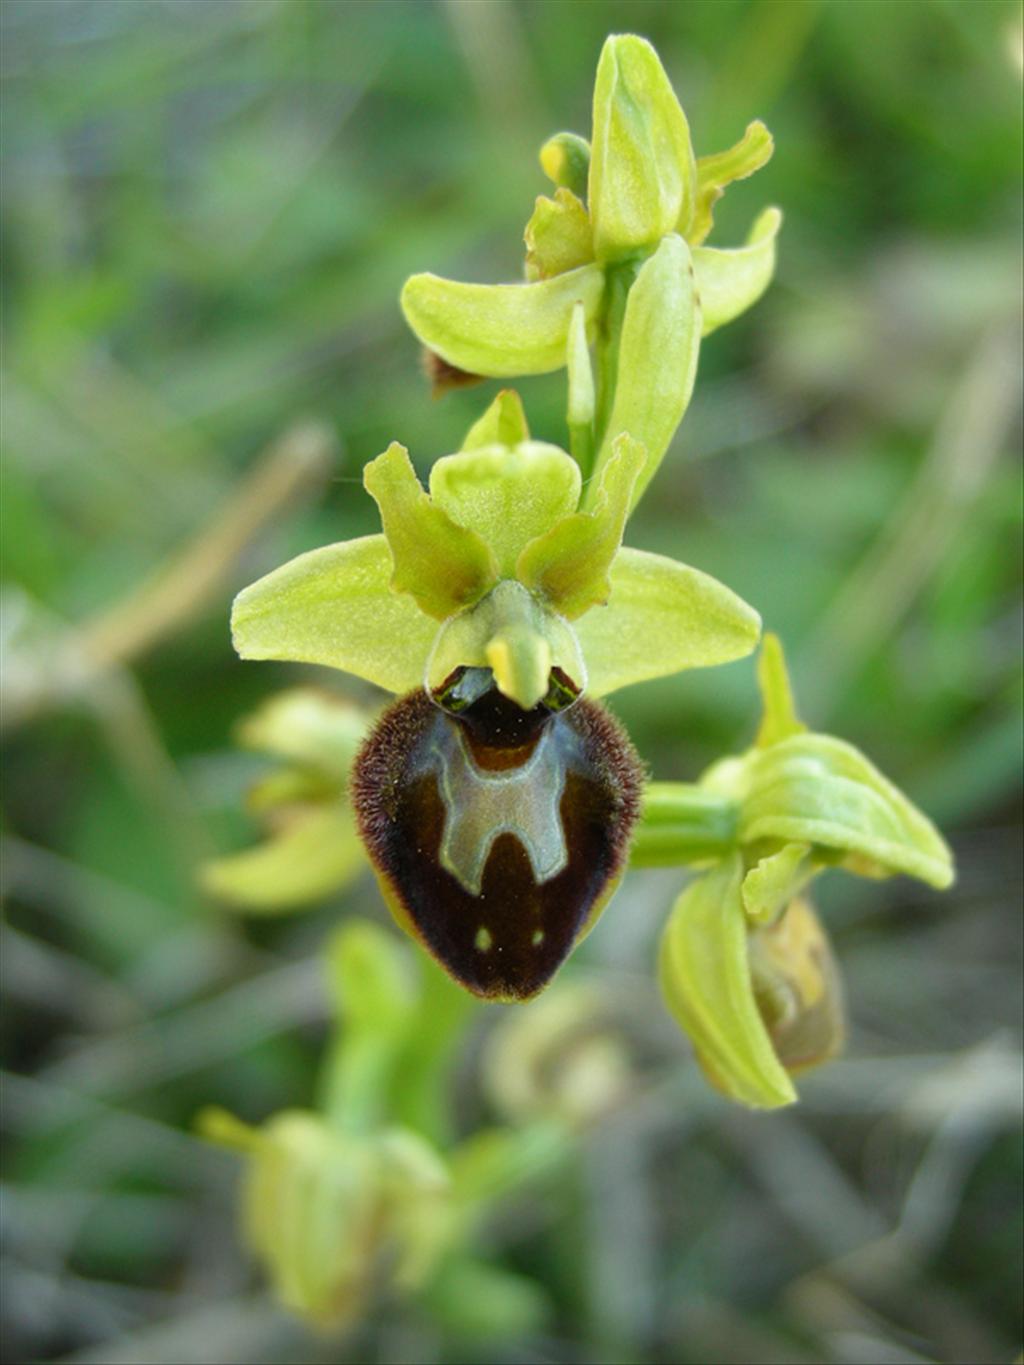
[(210, 207)]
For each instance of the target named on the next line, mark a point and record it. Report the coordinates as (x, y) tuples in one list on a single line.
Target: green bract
[(745, 965), (621, 241), (489, 570)]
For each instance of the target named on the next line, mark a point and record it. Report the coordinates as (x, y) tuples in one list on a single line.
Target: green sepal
[(705, 977), (820, 790), (503, 424), (658, 352), (714, 173), (511, 633), (506, 497), (730, 282), (317, 853), (334, 606), (558, 236), (795, 787), (501, 330), (444, 566), (642, 170), (569, 565), (662, 617), (565, 160)]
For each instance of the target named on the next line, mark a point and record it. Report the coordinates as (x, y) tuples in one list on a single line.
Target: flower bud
[(565, 160), (798, 988), (642, 169)]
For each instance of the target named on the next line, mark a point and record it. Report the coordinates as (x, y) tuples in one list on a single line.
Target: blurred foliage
[(209, 212)]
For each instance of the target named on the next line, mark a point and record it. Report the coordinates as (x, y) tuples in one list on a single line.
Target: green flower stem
[(618, 282), (355, 1080), (683, 824)]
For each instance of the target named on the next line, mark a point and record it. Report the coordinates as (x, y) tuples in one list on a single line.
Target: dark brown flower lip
[(504, 936)]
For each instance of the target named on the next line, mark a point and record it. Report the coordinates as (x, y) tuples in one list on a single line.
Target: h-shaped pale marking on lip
[(480, 805)]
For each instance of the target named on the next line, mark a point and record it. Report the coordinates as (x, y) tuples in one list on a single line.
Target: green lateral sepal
[(662, 617), (704, 971), (501, 330), (335, 606), (731, 281)]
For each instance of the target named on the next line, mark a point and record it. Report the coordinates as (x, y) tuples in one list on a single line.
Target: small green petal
[(558, 236), (511, 633), (642, 170), (819, 790), (779, 717), (661, 618), (565, 160), (443, 565), (309, 726), (729, 282), (318, 852), (506, 497), (501, 330), (569, 565), (704, 972), (658, 353), (753, 151), (503, 424), (335, 606), (776, 879)]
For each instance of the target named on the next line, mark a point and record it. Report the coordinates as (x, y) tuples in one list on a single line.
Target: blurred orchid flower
[(312, 847), (745, 965)]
